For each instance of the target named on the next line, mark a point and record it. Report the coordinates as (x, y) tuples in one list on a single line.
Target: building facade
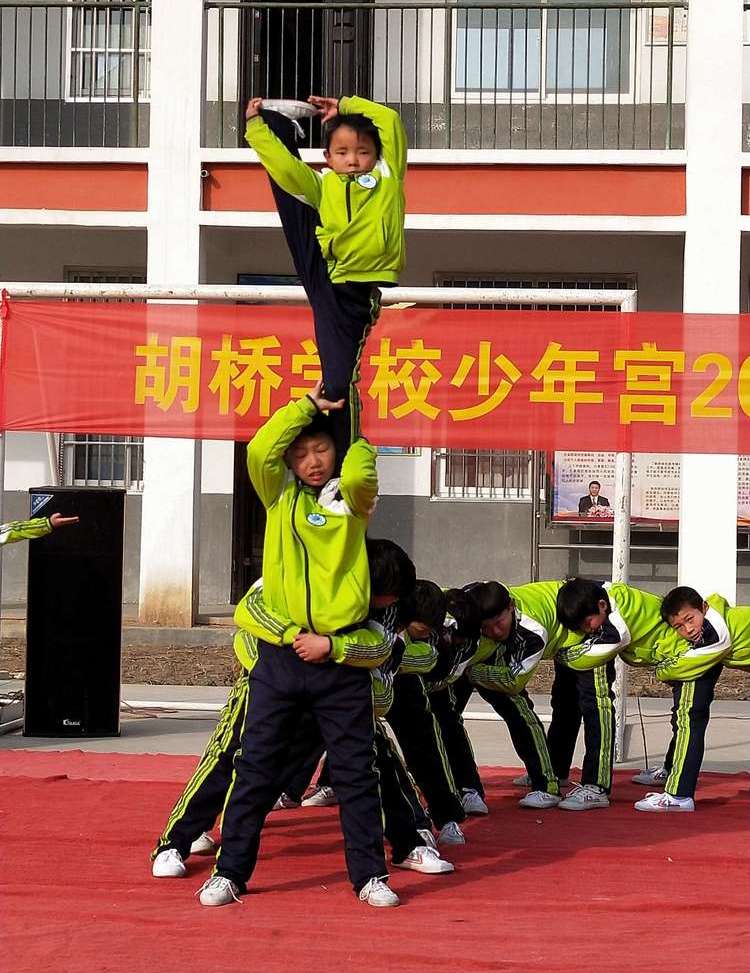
[(582, 145)]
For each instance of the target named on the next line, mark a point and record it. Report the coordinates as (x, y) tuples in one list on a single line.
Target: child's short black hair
[(361, 124), (462, 608), (578, 598), (490, 598), (320, 425), (677, 599), (426, 604), (392, 571)]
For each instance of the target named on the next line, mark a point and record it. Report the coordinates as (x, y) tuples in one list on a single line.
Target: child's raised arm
[(389, 125), (291, 173)]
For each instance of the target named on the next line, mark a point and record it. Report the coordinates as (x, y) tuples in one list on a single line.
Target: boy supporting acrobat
[(344, 227), (316, 578), (701, 636)]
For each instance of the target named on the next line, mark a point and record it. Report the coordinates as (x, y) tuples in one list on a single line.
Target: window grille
[(110, 53), (99, 460)]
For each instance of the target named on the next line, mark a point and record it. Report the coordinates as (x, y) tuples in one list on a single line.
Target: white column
[(171, 495), (708, 489)]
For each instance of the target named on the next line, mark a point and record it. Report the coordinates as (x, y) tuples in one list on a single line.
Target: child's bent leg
[(527, 735), (341, 698), (272, 713), (690, 713), (596, 700), (418, 734), (566, 721), (204, 795)]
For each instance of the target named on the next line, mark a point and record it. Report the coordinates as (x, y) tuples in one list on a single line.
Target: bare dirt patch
[(214, 665)]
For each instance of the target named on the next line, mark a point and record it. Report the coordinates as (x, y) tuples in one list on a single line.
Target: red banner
[(642, 382)]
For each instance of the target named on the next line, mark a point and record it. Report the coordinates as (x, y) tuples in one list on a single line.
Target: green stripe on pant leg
[(682, 736), (539, 740), (355, 402), (217, 746), (605, 713)]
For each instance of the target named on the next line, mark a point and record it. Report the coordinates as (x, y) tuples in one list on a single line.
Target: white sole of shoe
[(445, 869), (581, 807), (665, 810), (538, 807)]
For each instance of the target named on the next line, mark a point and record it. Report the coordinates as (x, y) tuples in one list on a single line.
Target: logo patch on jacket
[(317, 520), (367, 180)]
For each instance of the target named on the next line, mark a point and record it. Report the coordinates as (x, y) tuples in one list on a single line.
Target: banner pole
[(621, 567)]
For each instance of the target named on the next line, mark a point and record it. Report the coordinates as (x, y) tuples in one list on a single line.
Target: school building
[(577, 144)]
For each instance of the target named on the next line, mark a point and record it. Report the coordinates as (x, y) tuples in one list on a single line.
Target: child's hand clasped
[(328, 108), (312, 648)]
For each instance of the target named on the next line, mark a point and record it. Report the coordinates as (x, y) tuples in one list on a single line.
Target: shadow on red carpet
[(610, 890)]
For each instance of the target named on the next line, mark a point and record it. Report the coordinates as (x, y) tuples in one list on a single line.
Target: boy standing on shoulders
[(315, 580), (344, 227)]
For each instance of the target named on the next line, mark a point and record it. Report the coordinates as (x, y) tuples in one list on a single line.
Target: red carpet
[(610, 890)]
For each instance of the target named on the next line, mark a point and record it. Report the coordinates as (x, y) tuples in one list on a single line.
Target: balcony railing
[(75, 73), (465, 75)]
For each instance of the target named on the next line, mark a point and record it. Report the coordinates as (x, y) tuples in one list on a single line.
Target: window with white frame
[(491, 474), (110, 53), (102, 460), (549, 51)]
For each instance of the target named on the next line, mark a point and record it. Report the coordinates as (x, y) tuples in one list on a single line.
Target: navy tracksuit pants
[(282, 689)]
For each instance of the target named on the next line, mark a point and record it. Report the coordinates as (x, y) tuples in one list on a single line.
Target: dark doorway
[(248, 528), (293, 53)]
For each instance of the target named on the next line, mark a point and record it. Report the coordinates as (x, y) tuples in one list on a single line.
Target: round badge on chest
[(367, 180), (317, 520)]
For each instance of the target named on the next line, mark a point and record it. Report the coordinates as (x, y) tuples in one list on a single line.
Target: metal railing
[(485, 75), (75, 72)]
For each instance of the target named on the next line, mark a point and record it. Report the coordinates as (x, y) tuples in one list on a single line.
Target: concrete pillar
[(171, 495), (708, 489)]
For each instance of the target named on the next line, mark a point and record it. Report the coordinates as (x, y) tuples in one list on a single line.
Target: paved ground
[(178, 720)]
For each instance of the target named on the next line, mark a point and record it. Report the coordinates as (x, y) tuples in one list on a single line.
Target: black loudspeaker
[(74, 615)]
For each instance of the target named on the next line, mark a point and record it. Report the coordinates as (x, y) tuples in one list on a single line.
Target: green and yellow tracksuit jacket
[(536, 634), (738, 623), (361, 231), (24, 530), (365, 647), (456, 653), (632, 630), (408, 658), (680, 660), (315, 571)]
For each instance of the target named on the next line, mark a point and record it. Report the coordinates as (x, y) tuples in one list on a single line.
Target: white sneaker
[(168, 864), (205, 845), (664, 802), (293, 110), (428, 837), (540, 800), (473, 803), (426, 860), (218, 891), (451, 834), (651, 775), (377, 893), (284, 803), (322, 797), (525, 781), (585, 797)]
